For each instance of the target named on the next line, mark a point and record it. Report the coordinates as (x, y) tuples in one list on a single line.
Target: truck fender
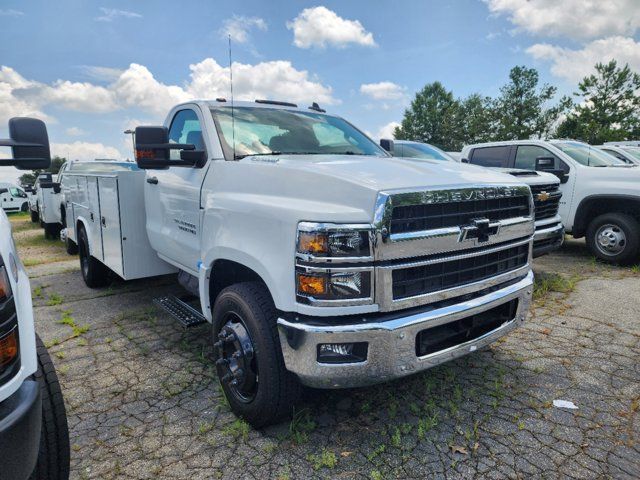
[(207, 271), (83, 222)]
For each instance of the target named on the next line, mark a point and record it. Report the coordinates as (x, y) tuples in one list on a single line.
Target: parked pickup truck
[(625, 153), (317, 258), (545, 187), (34, 440), (600, 195)]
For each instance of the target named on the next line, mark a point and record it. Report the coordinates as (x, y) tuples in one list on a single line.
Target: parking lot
[(143, 400)]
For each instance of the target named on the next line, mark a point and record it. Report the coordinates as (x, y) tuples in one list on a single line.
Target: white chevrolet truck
[(600, 194), (34, 440), (545, 188), (318, 258)]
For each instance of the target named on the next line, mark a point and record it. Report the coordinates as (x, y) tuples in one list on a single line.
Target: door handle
[(152, 180), (104, 222)]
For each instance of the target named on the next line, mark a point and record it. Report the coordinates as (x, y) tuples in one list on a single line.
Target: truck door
[(172, 197)]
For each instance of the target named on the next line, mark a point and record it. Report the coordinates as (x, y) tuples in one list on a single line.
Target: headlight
[(333, 285), (333, 241)]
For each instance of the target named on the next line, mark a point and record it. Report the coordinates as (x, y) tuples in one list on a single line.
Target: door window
[(491, 156), (526, 156), (619, 156), (185, 128)]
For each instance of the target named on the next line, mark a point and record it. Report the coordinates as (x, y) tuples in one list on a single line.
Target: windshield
[(587, 155), (275, 131), (422, 150), (633, 151), (17, 193)]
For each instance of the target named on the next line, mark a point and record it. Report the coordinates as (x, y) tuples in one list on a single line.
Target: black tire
[(71, 246), (278, 390), (94, 273), (52, 230), (34, 217), (25, 207), (54, 454), (621, 231)]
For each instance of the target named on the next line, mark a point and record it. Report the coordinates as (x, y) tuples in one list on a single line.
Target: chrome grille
[(413, 218), (546, 208), (420, 280)]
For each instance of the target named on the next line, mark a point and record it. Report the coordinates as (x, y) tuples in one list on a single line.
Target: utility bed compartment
[(111, 206)]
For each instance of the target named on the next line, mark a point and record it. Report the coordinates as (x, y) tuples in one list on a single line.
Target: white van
[(13, 198)]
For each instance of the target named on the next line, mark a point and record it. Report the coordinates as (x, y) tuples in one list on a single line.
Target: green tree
[(522, 110), (608, 107), (30, 178), (432, 118), (475, 120)]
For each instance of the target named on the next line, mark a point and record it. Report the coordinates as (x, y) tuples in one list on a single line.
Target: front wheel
[(94, 273), (54, 453), (34, 216), (614, 238), (52, 230), (249, 359)]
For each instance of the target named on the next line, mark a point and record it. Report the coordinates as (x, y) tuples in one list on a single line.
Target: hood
[(530, 177), (387, 173)]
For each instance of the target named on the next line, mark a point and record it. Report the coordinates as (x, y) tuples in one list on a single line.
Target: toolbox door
[(110, 223)]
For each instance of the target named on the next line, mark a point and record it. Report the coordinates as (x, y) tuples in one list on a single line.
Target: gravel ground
[(143, 400)]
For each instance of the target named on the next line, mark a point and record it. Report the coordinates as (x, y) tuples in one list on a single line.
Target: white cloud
[(578, 19), (10, 12), (84, 151), (274, 80), (137, 88), (111, 14), (238, 27), (383, 90), (75, 131), (574, 65), (319, 27), (10, 105), (386, 131), (108, 74)]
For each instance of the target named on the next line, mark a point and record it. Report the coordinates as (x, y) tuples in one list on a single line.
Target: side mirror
[(464, 160), (153, 147), (545, 163), (29, 143), (548, 164), (387, 144)]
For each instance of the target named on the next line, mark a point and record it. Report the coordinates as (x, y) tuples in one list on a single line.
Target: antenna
[(233, 122)]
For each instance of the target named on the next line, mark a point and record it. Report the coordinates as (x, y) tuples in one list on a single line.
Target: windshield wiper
[(240, 157)]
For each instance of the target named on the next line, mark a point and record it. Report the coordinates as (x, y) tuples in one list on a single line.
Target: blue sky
[(94, 68)]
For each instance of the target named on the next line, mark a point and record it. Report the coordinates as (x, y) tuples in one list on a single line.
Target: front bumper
[(392, 343), (547, 238), (20, 423)]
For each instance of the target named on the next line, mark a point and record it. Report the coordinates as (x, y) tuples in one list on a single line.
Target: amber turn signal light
[(312, 284), (313, 242), (8, 348)]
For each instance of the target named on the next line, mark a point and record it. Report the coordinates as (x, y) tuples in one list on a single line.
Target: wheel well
[(227, 272), (596, 205)]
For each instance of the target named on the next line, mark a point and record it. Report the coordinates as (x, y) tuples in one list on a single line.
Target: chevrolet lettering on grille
[(462, 195)]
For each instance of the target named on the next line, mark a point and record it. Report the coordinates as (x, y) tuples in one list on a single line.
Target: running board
[(185, 314)]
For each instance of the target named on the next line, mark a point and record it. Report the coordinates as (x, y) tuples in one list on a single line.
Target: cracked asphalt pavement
[(143, 400)]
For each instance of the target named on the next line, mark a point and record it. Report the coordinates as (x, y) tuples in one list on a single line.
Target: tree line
[(605, 107)]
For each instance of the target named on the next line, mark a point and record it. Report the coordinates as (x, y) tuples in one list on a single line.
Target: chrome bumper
[(542, 235), (392, 344)]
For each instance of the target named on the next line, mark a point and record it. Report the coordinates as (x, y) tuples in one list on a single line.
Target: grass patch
[(54, 299), (300, 427), (237, 429), (326, 459), (545, 283)]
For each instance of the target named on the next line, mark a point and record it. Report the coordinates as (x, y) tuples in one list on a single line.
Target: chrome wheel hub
[(610, 239)]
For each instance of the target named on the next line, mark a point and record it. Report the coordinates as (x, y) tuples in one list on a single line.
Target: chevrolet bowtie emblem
[(543, 196), (480, 229)]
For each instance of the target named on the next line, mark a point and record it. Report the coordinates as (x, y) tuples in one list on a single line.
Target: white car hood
[(387, 173)]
